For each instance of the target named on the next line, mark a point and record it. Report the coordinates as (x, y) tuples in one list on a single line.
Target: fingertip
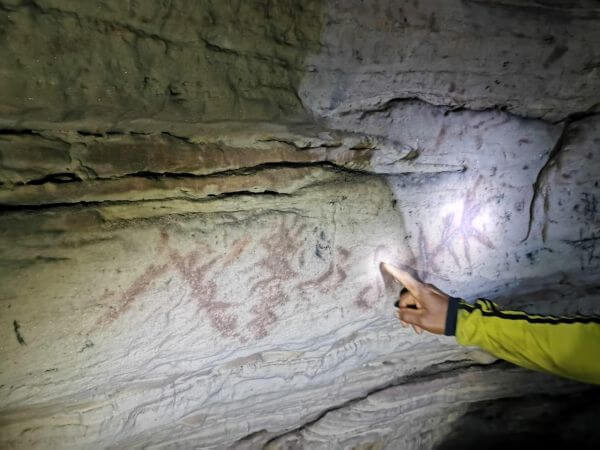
[(394, 271), (403, 277), (385, 267)]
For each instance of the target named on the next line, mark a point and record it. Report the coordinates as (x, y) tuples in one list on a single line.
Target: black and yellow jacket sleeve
[(566, 346)]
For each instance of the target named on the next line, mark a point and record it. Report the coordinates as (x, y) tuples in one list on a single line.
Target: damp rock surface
[(196, 196)]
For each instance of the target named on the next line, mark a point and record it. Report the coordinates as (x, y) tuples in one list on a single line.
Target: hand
[(422, 305)]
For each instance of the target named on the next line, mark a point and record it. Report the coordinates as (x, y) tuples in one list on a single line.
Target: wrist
[(451, 314)]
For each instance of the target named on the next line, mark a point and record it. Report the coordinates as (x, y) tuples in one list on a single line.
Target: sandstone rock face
[(535, 59), (196, 197)]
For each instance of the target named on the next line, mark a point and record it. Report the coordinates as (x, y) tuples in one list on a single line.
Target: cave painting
[(198, 270), (367, 298), (276, 268), (282, 258), (275, 272), (459, 224)]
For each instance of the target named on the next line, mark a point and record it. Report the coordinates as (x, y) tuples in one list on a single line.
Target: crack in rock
[(542, 175), (437, 370)]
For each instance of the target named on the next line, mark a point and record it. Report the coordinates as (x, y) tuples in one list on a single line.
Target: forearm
[(566, 346)]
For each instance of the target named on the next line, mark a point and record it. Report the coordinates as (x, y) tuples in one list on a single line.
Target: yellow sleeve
[(566, 346)]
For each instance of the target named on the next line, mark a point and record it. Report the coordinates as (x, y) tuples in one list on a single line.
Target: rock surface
[(196, 197)]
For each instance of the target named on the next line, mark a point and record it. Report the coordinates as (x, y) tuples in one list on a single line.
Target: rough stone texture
[(196, 196), (536, 59), (177, 60), (374, 419)]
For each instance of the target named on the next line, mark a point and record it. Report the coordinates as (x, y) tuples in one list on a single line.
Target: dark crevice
[(291, 143), (55, 178), (89, 133), (289, 164), (248, 170), (294, 165), (547, 420), (458, 108), (155, 175), (577, 116), (129, 133), (38, 134), (216, 48), (18, 132), (211, 46), (267, 193), (23, 263), (4, 208), (61, 178), (385, 106), (251, 436), (106, 133), (174, 136), (446, 108), (7, 208), (430, 373)]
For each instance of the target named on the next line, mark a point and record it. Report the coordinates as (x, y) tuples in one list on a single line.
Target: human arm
[(565, 346)]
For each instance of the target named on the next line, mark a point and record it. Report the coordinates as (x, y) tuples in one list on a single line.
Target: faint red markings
[(472, 209), (139, 285), (283, 249), (323, 277), (318, 281), (344, 255), (361, 299), (321, 282), (203, 288), (452, 229), (337, 272), (441, 136), (237, 248), (196, 273), (367, 297)]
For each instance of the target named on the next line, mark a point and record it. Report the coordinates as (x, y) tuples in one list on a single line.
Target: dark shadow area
[(540, 421)]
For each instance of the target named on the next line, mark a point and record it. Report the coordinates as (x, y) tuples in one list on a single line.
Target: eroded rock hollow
[(196, 196)]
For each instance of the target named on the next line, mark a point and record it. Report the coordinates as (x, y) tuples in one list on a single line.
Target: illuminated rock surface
[(196, 197)]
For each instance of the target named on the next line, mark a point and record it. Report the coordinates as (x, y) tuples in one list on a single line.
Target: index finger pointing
[(407, 280)]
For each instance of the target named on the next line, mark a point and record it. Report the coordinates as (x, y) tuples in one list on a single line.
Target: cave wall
[(196, 196)]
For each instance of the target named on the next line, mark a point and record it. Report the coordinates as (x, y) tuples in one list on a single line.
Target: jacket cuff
[(450, 329)]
